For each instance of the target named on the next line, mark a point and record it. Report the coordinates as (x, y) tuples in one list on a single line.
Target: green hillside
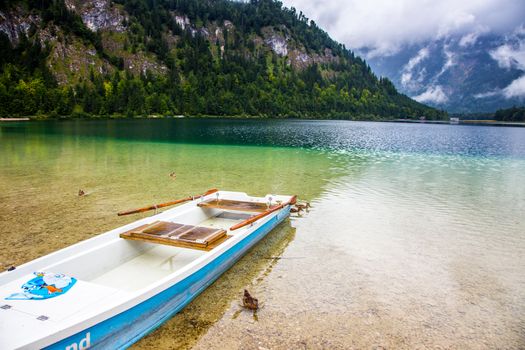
[(171, 57)]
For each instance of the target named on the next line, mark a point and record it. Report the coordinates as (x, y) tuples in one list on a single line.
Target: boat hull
[(125, 328)]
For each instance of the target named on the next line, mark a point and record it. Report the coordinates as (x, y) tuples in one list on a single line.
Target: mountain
[(168, 57), (461, 74)]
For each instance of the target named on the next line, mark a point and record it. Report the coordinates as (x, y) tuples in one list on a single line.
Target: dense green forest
[(514, 114), (236, 75)]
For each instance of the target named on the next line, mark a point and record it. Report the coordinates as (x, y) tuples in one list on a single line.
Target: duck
[(250, 302), (302, 206)]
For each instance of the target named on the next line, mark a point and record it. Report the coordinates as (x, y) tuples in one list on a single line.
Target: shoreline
[(463, 122), (23, 119), (408, 121)]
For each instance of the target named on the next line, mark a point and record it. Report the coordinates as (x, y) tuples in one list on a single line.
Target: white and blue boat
[(111, 290)]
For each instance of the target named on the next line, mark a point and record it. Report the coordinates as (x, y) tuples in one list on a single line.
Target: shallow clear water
[(416, 236)]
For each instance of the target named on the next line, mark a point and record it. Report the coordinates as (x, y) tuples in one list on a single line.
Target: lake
[(415, 238)]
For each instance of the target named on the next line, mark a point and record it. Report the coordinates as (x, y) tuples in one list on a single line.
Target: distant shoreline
[(462, 122), (408, 121), (25, 119)]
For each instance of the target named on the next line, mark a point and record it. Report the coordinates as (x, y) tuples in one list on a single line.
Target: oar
[(167, 204), (261, 215)]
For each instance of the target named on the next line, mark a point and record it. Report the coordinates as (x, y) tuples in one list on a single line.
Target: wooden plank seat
[(228, 204), (180, 235)]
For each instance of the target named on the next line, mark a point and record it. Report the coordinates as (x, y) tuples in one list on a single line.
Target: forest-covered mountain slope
[(170, 57)]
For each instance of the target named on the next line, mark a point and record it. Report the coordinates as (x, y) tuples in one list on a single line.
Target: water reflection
[(334, 136)]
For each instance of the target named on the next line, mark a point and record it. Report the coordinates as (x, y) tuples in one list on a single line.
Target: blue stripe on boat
[(124, 329)]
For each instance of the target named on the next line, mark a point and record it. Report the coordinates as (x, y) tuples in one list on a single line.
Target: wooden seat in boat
[(180, 235), (228, 204)]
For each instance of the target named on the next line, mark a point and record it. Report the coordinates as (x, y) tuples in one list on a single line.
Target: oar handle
[(292, 201), (167, 204)]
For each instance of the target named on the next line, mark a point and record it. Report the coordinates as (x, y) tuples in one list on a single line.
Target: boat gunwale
[(134, 298)]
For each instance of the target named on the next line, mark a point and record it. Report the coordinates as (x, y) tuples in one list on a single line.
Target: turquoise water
[(416, 236), (334, 136)]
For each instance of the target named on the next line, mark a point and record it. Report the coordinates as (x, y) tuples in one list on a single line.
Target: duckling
[(81, 193), (173, 175), (250, 302), (303, 206)]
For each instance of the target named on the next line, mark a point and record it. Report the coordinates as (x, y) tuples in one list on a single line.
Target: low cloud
[(406, 76), (509, 57), (515, 89), (414, 73), (449, 60), (487, 94), (468, 39), (512, 56), (434, 94), (384, 27)]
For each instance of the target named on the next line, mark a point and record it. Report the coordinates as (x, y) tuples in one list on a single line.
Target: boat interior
[(207, 235), (157, 249)]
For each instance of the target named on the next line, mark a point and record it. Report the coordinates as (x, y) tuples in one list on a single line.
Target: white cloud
[(510, 56), (385, 26), (449, 60), (421, 55), (413, 75), (515, 89), (468, 39), (487, 94), (406, 76), (433, 94)]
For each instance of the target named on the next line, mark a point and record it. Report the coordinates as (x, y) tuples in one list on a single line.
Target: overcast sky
[(385, 26)]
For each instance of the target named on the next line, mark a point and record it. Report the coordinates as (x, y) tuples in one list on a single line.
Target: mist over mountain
[(461, 74)]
